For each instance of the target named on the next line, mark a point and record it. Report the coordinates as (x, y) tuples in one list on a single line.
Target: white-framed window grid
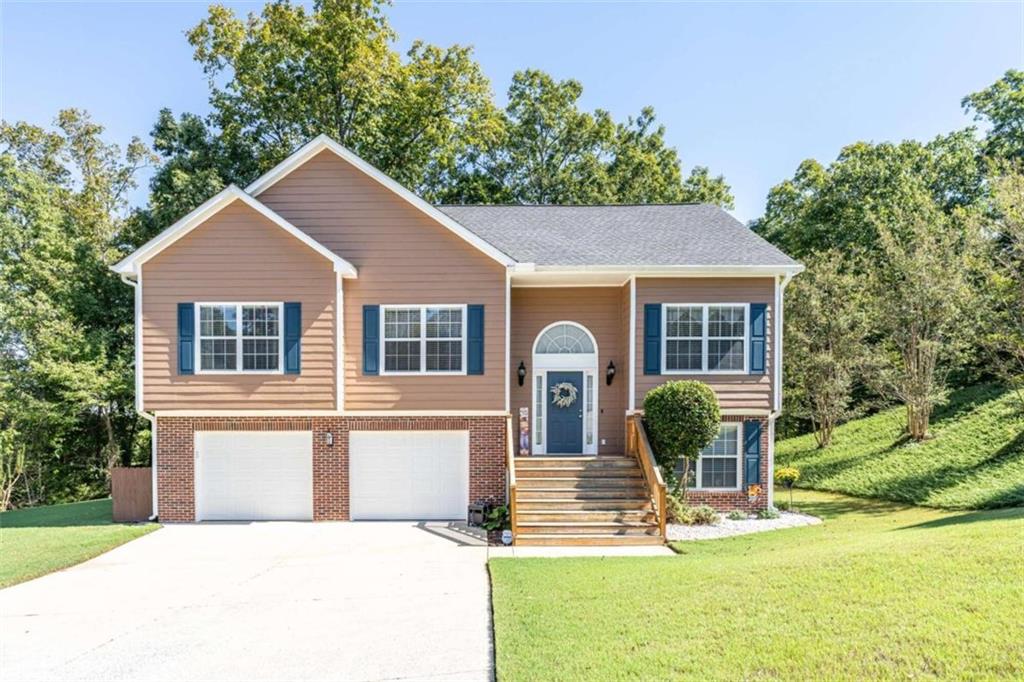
[(721, 460), (423, 325), (682, 331), (231, 334)]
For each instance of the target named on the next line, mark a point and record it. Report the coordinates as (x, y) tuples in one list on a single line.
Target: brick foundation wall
[(726, 501), (176, 456)]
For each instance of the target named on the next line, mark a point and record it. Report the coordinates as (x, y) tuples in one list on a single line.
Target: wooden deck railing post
[(638, 446)]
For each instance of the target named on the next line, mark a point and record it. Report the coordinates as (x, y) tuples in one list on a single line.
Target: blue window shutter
[(475, 339), (758, 329), (186, 338), (292, 338), (752, 452), (652, 338), (371, 339)]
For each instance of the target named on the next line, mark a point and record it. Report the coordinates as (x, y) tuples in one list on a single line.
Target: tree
[(921, 297), (1002, 106), (682, 418), (548, 151), (825, 335), (66, 322), (823, 208), (1004, 326), (282, 77)]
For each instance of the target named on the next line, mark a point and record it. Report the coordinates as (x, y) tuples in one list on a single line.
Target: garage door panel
[(408, 474), (254, 475)]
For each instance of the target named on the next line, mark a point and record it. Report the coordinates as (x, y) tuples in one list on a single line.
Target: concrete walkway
[(261, 601)]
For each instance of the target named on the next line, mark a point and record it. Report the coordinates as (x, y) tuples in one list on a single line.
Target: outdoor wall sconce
[(609, 373), (330, 438), (521, 372)]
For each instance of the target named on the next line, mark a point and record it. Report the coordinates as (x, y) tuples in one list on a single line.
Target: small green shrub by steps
[(699, 516), (736, 515), (497, 519), (766, 514), (681, 418)]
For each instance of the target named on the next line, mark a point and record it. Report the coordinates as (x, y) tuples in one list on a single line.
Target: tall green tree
[(922, 296), (1001, 105), (288, 74), (549, 151), (837, 206), (827, 325), (66, 326)]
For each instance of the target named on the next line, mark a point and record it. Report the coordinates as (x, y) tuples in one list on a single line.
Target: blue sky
[(749, 89)]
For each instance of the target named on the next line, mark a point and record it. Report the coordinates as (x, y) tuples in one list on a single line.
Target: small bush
[(497, 519), (675, 508), (681, 417), (736, 515), (769, 513), (699, 516)]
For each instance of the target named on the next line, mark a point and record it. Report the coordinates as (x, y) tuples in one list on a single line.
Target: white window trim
[(198, 362), (423, 339), (704, 338), (739, 463)]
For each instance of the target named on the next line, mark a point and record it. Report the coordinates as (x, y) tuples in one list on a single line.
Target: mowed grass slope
[(879, 591), (40, 540), (974, 460)]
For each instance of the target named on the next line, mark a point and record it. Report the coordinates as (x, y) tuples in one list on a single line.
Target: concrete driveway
[(260, 601)]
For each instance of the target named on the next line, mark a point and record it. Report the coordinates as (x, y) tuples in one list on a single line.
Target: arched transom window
[(564, 338)]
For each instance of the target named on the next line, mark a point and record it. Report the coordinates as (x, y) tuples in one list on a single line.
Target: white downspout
[(780, 287), (151, 418)]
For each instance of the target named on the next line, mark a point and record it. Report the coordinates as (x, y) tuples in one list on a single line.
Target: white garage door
[(254, 475), (408, 474)]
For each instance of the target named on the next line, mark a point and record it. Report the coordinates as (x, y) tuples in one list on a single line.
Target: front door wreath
[(563, 394)]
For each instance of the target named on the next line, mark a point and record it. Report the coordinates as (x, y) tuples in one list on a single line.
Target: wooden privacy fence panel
[(132, 490)]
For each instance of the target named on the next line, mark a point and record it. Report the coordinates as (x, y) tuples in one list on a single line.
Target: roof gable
[(323, 142), (209, 208)]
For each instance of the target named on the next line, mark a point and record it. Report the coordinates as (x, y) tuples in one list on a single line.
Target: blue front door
[(565, 424)]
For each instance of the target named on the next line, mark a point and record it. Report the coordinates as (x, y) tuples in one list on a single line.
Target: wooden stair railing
[(510, 465), (639, 446)]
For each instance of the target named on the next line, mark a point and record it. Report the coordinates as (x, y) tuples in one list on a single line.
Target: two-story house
[(326, 345)]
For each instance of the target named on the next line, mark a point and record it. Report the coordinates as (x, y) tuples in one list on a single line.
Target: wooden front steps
[(583, 501)]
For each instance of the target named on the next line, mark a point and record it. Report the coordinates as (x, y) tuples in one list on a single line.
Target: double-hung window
[(705, 338), (718, 466), (239, 337), (424, 339)]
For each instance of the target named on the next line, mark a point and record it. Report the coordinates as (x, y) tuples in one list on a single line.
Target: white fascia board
[(322, 142), (131, 264), (660, 270), (331, 413)]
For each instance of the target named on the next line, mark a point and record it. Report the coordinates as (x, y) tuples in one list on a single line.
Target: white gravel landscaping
[(726, 528)]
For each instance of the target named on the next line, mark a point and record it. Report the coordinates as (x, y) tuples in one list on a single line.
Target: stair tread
[(587, 524)]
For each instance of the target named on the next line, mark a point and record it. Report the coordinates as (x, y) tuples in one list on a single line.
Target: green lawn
[(975, 459), (40, 540), (877, 591)]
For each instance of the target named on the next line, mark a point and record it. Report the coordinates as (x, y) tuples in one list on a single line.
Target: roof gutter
[(787, 271)]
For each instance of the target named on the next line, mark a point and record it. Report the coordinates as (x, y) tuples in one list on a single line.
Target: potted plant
[(788, 476)]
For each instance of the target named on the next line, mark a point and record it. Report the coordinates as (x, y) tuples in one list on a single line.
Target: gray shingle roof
[(649, 235)]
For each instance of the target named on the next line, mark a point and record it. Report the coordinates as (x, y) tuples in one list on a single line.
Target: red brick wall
[(725, 501), (176, 439)]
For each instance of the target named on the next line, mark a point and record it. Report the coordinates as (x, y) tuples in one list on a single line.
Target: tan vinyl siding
[(735, 391), (599, 309), (403, 257), (238, 255)]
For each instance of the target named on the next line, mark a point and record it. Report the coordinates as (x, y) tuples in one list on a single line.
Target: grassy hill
[(974, 460)]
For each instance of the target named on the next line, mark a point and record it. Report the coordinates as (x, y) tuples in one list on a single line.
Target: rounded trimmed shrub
[(682, 418)]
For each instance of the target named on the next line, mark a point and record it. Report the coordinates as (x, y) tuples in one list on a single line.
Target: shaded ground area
[(44, 539), (879, 590), (974, 460)]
